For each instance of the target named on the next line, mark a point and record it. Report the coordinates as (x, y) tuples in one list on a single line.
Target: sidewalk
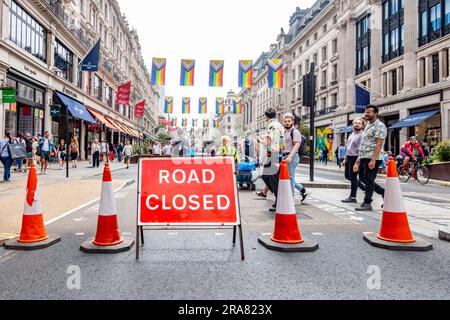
[(334, 168), (58, 194)]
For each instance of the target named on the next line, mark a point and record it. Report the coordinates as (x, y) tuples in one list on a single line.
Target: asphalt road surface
[(205, 265)]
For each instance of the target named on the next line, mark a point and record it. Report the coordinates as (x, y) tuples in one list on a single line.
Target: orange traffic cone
[(286, 226), (33, 228), (395, 225), (108, 233)]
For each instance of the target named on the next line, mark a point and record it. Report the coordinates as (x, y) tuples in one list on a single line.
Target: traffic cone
[(286, 225), (394, 225), (33, 228), (108, 233)]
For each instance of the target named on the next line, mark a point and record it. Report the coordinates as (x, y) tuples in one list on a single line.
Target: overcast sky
[(204, 30)]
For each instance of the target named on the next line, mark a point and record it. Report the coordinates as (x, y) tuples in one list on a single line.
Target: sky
[(205, 30)]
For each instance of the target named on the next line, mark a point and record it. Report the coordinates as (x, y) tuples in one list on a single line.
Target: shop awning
[(115, 124), (125, 129), (76, 109), (102, 119), (135, 133), (346, 130), (415, 119)]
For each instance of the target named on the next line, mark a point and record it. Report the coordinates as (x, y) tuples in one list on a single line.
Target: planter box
[(134, 159), (440, 171)]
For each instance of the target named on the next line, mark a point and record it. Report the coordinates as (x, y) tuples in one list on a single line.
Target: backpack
[(302, 149)]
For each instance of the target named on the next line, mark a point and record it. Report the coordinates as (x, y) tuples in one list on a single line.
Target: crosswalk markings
[(317, 234)]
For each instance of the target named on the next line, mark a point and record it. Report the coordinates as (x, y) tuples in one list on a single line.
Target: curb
[(433, 182)]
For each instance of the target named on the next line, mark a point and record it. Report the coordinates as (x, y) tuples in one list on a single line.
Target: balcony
[(58, 10)]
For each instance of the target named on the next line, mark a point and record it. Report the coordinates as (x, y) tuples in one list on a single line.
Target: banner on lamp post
[(123, 94)]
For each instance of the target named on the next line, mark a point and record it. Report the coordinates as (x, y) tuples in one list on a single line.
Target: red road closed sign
[(187, 191)]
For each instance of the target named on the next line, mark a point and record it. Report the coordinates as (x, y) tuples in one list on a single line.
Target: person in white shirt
[(157, 149), (104, 151), (95, 151), (127, 152)]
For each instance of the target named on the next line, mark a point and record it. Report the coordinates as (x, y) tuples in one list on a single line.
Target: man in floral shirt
[(371, 156)]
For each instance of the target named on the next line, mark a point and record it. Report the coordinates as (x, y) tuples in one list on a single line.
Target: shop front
[(27, 115), (393, 139), (325, 140), (425, 124)]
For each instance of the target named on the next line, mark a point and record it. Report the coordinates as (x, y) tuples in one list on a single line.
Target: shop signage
[(8, 95), (30, 71), (55, 111), (70, 93)]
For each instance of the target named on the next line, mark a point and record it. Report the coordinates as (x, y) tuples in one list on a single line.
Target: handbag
[(17, 151)]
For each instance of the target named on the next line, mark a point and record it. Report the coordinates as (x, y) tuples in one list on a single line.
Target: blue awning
[(77, 109), (346, 130), (415, 119)]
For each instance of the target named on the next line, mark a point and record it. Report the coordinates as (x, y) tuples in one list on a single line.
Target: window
[(394, 82), (393, 30), (324, 54), (325, 28), (64, 60), (447, 12), (80, 76), (335, 72), (363, 42), (435, 17), (26, 32), (334, 44), (108, 96), (334, 100), (316, 36), (324, 78), (315, 58), (435, 61), (97, 88), (424, 23)]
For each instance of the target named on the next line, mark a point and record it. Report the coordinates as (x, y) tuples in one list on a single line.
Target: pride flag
[(187, 72), (206, 123), (174, 122), (159, 72), (220, 105), (245, 73), (215, 123), (194, 123), (186, 106), (203, 105), (216, 73), (237, 105), (184, 123), (168, 106), (276, 73)]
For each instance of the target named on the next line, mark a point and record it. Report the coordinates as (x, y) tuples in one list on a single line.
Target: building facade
[(398, 49), (42, 43)]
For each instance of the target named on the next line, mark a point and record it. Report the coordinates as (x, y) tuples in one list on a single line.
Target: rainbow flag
[(216, 73), (184, 123), (187, 72), (194, 123), (215, 123), (186, 106), (245, 73), (168, 105), (203, 105), (206, 123), (276, 73), (237, 105), (174, 123), (220, 105), (159, 72)]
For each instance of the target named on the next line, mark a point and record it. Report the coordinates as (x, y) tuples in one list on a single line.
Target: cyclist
[(410, 151)]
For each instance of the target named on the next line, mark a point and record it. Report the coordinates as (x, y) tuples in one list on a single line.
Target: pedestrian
[(227, 150), (29, 148), (104, 151), (301, 152), (248, 147), (19, 162), (157, 149), (370, 156), (353, 144), (95, 151), (74, 152), (127, 152), (325, 154), (61, 150), (342, 153), (5, 156), (275, 144), (35, 150), (119, 152), (44, 149), (293, 140)]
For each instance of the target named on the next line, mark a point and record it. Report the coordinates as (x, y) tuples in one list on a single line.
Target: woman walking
[(95, 151), (62, 153), (74, 152), (127, 152)]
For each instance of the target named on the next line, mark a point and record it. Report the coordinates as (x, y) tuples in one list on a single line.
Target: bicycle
[(419, 172)]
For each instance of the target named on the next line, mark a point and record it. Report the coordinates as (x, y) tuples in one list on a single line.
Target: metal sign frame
[(141, 227)]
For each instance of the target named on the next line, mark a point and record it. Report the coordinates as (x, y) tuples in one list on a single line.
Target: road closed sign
[(187, 191)]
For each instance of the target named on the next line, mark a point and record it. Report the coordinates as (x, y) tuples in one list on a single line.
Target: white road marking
[(317, 234), (79, 234), (219, 234), (172, 233), (266, 234), (356, 218), (80, 219), (126, 233)]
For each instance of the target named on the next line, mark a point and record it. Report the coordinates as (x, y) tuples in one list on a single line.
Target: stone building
[(42, 43)]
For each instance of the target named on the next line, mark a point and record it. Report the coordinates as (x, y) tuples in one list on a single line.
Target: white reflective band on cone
[(108, 203), (36, 207), (393, 199), (285, 202)]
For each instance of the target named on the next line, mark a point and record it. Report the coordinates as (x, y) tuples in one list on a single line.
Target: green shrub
[(442, 152)]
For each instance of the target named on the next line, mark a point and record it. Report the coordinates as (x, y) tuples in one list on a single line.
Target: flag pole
[(368, 89)]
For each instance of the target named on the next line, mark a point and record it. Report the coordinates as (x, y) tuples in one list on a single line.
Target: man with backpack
[(292, 152)]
